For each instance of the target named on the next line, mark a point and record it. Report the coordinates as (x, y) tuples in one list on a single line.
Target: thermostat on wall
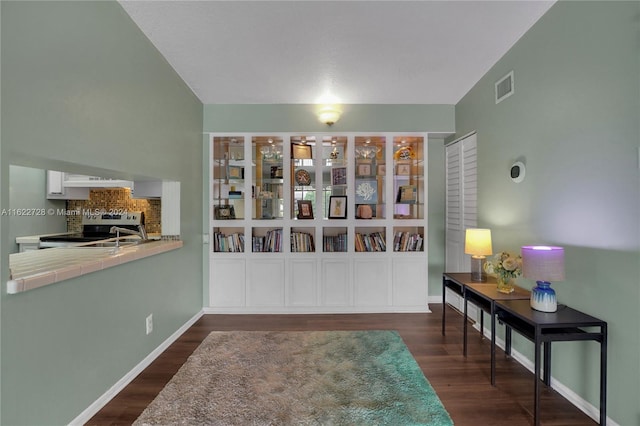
[(517, 172)]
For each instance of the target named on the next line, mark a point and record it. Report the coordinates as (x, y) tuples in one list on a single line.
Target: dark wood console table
[(484, 295), (514, 311), (565, 325)]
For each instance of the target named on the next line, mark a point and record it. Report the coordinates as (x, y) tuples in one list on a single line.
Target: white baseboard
[(90, 411), (268, 310)]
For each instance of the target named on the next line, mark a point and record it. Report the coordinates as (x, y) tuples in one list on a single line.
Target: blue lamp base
[(543, 297)]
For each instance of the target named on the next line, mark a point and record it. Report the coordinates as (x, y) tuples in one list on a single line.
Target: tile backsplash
[(115, 198)]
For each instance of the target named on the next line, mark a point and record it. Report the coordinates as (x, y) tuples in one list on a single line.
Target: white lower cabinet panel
[(265, 286), (335, 289), (302, 286), (371, 282), (409, 282), (227, 282)]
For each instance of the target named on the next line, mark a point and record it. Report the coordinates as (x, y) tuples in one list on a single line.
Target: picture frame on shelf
[(224, 212), (305, 209), (407, 194), (367, 191), (236, 172), (276, 172), (364, 169), (381, 170), (338, 176), (301, 151), (403, 169), (338, 207)]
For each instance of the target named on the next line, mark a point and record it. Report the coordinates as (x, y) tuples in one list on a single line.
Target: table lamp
[(477, 243), (543, 264)]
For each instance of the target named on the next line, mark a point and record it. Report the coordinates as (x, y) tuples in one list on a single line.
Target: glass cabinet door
[(334, 177), (228, 177), (408, 177), (303, 177), (370, 170), (267, 176)]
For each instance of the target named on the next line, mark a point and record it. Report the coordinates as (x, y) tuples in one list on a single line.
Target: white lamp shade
[(477, 242), (543, 263)]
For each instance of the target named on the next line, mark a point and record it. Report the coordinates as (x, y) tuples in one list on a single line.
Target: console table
[(564, 325), (542, 328)]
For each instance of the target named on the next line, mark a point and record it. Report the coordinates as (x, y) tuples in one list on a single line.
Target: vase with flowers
[(506, 267)]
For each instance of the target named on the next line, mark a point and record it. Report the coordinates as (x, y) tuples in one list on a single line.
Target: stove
[(99, 226)]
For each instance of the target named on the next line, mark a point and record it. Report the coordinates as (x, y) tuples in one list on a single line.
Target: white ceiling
[(378, 52)]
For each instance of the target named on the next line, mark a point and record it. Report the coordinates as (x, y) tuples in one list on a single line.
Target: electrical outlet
[(149, 323)]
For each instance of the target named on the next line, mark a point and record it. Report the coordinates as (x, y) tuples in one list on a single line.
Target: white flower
[(510, 264)]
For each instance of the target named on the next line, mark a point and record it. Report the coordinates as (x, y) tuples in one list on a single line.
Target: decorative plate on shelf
[(302, 177)]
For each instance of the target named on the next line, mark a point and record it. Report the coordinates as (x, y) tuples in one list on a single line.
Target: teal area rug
[(298, 378)]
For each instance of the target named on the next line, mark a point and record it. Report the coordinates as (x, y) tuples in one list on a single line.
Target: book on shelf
[(270, 242), (302, 242), (370, 242), (335, 243), (228, 243), (407, 241)]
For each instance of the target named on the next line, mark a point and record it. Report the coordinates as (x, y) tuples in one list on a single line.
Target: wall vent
[(504, 87)]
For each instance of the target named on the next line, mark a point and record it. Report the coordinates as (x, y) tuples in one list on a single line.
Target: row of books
[(407, 241), (370, 242), (228, 243), (302, 242), (335, 243), (271, 242)]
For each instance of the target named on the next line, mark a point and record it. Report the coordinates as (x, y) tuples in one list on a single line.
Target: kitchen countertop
[(37, 268)]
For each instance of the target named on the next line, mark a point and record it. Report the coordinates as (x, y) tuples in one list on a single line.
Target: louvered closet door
[(461, 200)]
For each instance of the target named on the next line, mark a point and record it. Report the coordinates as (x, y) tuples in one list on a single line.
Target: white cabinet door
[(302, 288), (265, 286), (371, 282), (335, 289), (227, 282), (409, 282)]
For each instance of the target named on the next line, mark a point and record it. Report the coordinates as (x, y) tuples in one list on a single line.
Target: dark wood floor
[(463, 384)]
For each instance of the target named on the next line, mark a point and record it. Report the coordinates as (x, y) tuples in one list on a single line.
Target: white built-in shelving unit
[(318, 222)]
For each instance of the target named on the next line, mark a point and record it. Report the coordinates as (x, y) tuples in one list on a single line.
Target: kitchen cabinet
[(57, 190), (317, 223), (146, 189)]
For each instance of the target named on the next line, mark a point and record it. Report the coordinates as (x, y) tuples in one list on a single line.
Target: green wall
[(573, 120), (28, 190), (83, 88), (438, 119)]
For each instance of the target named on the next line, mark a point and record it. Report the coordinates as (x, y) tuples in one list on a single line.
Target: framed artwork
[(339, 176), (366, 192), (276, 172), (236, 172), (338, 207), (382, 169), (305, 209), (403, 169), (300, 151), (407, 194), (364, 169), (224, 212)]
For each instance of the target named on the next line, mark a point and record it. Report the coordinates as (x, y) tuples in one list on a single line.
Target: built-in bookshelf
[(336, 222)]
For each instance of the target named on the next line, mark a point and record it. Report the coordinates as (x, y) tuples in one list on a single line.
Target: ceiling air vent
[(504, 87)]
